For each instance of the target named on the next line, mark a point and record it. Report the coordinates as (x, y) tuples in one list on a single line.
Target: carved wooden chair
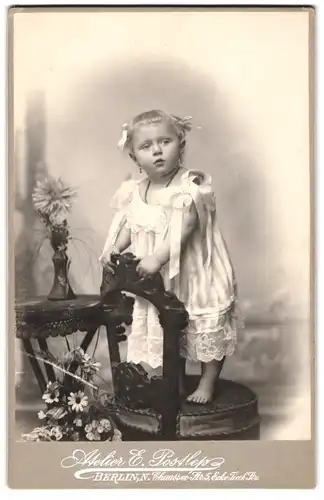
[(150, 408)]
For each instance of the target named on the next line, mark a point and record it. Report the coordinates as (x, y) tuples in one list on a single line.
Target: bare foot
[(204, 392)]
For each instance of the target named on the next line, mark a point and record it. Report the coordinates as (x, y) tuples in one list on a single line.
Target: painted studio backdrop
[(244, 80)]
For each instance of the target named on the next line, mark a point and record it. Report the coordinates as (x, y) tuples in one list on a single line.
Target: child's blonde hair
[(180, 125)]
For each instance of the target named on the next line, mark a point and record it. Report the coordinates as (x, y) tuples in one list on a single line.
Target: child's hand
[(106, 262), (108, 266), (148, 266)]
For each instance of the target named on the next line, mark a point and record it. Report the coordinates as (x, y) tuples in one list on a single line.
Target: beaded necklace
[(167, 184)]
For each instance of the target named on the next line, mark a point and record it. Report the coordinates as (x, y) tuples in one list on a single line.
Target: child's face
[(156, 148)]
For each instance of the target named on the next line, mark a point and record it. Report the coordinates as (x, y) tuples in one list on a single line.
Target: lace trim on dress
[(206, 347), (203, 346), (204, 339), (154, 220), (142, 348), (209, 339)]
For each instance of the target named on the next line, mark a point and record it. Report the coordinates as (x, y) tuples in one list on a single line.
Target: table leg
[(88, 338), (113, 346), (113, 349), (35, 364), (171, 363), (49, 369)]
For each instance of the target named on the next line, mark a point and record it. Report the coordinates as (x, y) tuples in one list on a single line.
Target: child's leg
[(210, 373)]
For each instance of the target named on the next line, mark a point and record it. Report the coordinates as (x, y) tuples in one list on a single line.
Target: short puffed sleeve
[(119, 203), (123, 195)]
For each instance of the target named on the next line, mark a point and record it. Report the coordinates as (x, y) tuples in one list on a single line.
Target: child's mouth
[(160, 161)]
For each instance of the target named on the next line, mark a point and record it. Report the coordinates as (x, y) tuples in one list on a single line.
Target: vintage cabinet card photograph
[(161, 219)]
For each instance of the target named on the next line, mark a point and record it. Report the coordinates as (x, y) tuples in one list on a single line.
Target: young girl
[(169, 220)]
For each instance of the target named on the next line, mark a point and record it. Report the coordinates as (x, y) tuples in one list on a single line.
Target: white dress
[(201, 275)]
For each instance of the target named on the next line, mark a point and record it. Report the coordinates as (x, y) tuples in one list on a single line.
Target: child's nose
[(156, 148)]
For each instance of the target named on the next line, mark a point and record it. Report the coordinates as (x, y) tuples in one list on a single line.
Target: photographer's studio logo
[(141, 466)]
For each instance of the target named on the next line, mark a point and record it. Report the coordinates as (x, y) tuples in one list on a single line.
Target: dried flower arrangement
[(76, 409), (52, 201)]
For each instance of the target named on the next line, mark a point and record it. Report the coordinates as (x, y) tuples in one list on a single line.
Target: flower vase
[(61, 289)]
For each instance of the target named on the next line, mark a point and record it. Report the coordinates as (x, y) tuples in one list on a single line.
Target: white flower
[(77, 401), (93, 436), (41, 414), (91, 430), (117, 435), (51, 395), (78, 422), (57, 432), (80, 356), (104, 425), (90, 365), (93, 425), (38, 434), (51, 197)]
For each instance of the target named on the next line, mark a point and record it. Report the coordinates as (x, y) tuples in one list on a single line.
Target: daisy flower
[(51, 395), (78, 401), (90, 365)]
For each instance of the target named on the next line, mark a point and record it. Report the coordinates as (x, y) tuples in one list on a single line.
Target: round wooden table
[(40, 318)]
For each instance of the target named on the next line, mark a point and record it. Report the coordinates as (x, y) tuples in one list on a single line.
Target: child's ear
[(183, 143)]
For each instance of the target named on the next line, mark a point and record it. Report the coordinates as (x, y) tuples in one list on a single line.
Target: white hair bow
[(124, 137)]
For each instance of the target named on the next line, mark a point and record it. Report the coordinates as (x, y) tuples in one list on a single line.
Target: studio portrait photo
[(161, 175)]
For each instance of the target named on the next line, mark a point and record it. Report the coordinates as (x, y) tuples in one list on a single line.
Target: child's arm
[(189, 223), (122, 242), (153, 263)]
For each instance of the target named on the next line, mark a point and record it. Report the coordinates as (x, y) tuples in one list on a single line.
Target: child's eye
[(165, 141), (144, 146)]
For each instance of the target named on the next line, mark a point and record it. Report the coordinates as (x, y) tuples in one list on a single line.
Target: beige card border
[(279, 464)]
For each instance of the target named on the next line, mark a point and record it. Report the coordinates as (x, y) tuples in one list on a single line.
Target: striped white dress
[(201, 275)]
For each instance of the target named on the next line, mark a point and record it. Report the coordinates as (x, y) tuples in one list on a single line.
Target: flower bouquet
[(52, 200), (76, 409)]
